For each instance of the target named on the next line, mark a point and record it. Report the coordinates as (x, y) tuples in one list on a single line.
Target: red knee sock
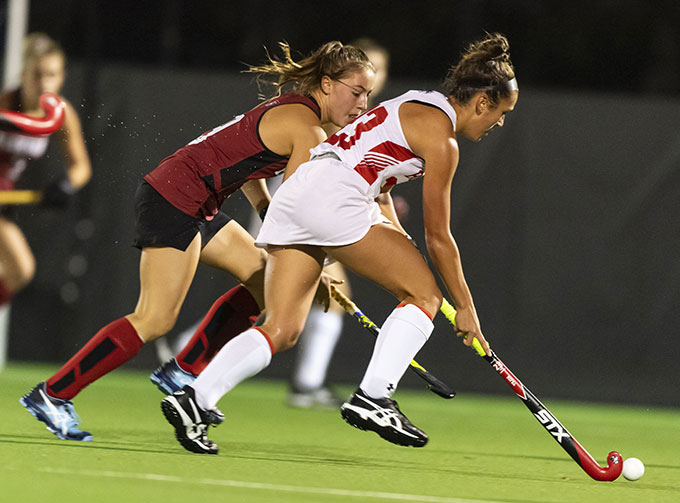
[(5, 293), (112, 346), (231, 314)]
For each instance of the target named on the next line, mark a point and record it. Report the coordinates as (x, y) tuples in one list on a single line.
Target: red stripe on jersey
[(381, 156)]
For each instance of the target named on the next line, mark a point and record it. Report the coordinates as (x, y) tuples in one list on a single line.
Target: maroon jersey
[(17, 148), (200, 176)]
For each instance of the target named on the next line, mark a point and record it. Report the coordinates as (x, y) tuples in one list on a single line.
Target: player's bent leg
[(386, 257), (17, 263), (121, 340), (232, 313), (315, 349), (293, 275), (371, 408), (403, 334), (292, 278), (165, 276), (233, 250), (188, 410)]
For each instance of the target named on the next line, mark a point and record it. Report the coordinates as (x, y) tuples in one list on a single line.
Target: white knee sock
[(402, 335), (242, 357), (315, 349)]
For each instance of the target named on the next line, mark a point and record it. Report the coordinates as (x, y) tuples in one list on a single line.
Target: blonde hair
[(37, 45), (332, 59), (485, 66)]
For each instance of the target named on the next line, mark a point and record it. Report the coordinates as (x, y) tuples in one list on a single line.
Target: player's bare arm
[(291, 130), (71, 134), (257, 193), (430, 134)]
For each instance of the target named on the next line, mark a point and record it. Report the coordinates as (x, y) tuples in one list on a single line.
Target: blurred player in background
[(328, 207), (179, 224), (44, 71)]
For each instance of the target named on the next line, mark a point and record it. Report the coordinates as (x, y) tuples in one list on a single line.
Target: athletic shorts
[(160, 225), (323, 203)]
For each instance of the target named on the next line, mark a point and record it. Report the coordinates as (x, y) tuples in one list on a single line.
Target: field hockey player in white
[(328, 208)]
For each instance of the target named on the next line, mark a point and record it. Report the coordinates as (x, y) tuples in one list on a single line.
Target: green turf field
[(481, 449)]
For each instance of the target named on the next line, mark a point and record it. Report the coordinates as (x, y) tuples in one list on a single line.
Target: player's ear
[(326, 84), (481, 103)]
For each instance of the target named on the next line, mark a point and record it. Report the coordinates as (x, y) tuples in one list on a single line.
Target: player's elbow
[(437, 243)]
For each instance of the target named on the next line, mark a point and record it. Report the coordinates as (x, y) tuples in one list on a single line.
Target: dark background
[(567, 218), (605, 45)]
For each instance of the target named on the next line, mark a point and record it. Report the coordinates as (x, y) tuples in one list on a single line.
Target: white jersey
[(381, 155), (330, 200)]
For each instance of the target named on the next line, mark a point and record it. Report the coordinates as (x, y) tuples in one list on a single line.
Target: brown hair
[(37, 45), (485, 66), (332, 59)]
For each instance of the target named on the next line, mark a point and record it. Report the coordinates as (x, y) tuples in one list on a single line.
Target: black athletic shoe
[(189, 420), (382, 415), (170, 377)]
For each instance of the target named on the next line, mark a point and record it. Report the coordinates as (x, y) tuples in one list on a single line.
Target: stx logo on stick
[(550, 424)]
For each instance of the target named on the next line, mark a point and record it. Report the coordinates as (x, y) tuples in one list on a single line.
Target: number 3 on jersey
[(374, 118)]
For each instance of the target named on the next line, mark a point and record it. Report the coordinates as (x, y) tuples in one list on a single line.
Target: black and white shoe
[(170, 377), (189, 420), (382, 415)]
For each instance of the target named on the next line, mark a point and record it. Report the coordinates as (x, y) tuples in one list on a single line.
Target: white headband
[(511, 85)]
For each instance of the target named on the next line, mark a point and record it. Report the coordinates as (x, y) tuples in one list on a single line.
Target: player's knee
[(151, 326), (283, 337), (430, 301)]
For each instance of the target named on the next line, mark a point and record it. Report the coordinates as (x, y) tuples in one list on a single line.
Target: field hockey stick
[(55, 112), (545, 417), (15, 197), (433, 384)]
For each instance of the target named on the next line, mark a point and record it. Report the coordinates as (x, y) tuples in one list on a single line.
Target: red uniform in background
[(16, 149)]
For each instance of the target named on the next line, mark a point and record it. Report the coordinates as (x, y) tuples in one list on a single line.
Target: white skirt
[(323, 203)]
